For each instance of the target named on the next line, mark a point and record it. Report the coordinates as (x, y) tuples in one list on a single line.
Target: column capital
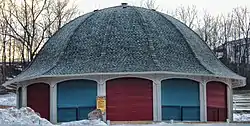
[(157, 82)]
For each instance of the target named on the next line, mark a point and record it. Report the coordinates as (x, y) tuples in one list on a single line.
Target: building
[(148, 65), (234, 51)]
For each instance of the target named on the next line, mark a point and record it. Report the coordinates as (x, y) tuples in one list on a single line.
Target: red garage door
[(38, 98), (216, 101), (129, 99)]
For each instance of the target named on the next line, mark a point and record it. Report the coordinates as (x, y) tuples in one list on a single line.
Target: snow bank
[(27, 117), (85, 123), (241, 117), (21, 117), (8, 99)]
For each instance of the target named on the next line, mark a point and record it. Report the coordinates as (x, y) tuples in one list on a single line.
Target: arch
[(182, 78), (38, 98), (73, 79), (127, 76), (216, 101), (180, 99), (129, 99), (20, 97), (75, 99)]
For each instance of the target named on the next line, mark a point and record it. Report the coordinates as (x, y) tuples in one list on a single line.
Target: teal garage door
[(75, 99), (180, 100)]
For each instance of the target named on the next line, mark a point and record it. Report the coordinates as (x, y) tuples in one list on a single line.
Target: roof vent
[(95, 10), (124, 5)]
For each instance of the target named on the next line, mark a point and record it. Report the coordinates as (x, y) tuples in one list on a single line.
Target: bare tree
[(187, 15), (25, 25), (62, 11), (4, 40), (150, 4), (35, 20), (242, 17)]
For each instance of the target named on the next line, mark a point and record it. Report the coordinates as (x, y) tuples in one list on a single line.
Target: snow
[(167, 124), (8, 99), (241, 117), (21, 117), (85, 123), (26, 116)]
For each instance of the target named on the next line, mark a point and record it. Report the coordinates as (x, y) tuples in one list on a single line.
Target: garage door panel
[(169, 113), (216, 101), (129, 99), (38, 98), (79, 96), (66, 115), (191, 113), (179, 96)]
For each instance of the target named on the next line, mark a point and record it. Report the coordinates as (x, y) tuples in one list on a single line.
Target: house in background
[(148, 65), (234, 55), (234, 51)]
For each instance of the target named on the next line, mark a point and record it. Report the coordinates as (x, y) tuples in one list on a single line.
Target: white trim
[(181, 77), (24, 96), (159, 110), (229, 103), (203, 102), (241, 82), (221, 80), (53, 103), (155, 102), (95, 78)]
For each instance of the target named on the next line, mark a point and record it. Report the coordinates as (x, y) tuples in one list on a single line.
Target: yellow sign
[(101, 103)]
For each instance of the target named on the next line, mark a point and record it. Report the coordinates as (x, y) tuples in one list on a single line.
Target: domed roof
[(125, 39)]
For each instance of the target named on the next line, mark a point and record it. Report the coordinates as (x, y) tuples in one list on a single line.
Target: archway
[(180, 100), (75, 99), (38, 98), (129, 99), (216, 101)]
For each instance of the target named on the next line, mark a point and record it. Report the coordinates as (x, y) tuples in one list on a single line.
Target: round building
[(148, 65)]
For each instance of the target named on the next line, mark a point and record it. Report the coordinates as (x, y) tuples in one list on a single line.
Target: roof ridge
[(150, 44)]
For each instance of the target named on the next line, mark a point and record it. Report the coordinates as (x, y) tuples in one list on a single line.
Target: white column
[(203, 102), (229, 103), (53, 103), (24, 96), (101, 91), (159, 110), (155, 102)]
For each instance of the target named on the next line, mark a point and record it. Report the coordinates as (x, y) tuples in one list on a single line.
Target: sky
[(214, 7)]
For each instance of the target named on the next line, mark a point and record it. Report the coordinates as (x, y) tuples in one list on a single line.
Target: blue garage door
[(75, 99), (180, 100)]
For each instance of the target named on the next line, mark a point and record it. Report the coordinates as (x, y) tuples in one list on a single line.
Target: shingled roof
[(130, 39)]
